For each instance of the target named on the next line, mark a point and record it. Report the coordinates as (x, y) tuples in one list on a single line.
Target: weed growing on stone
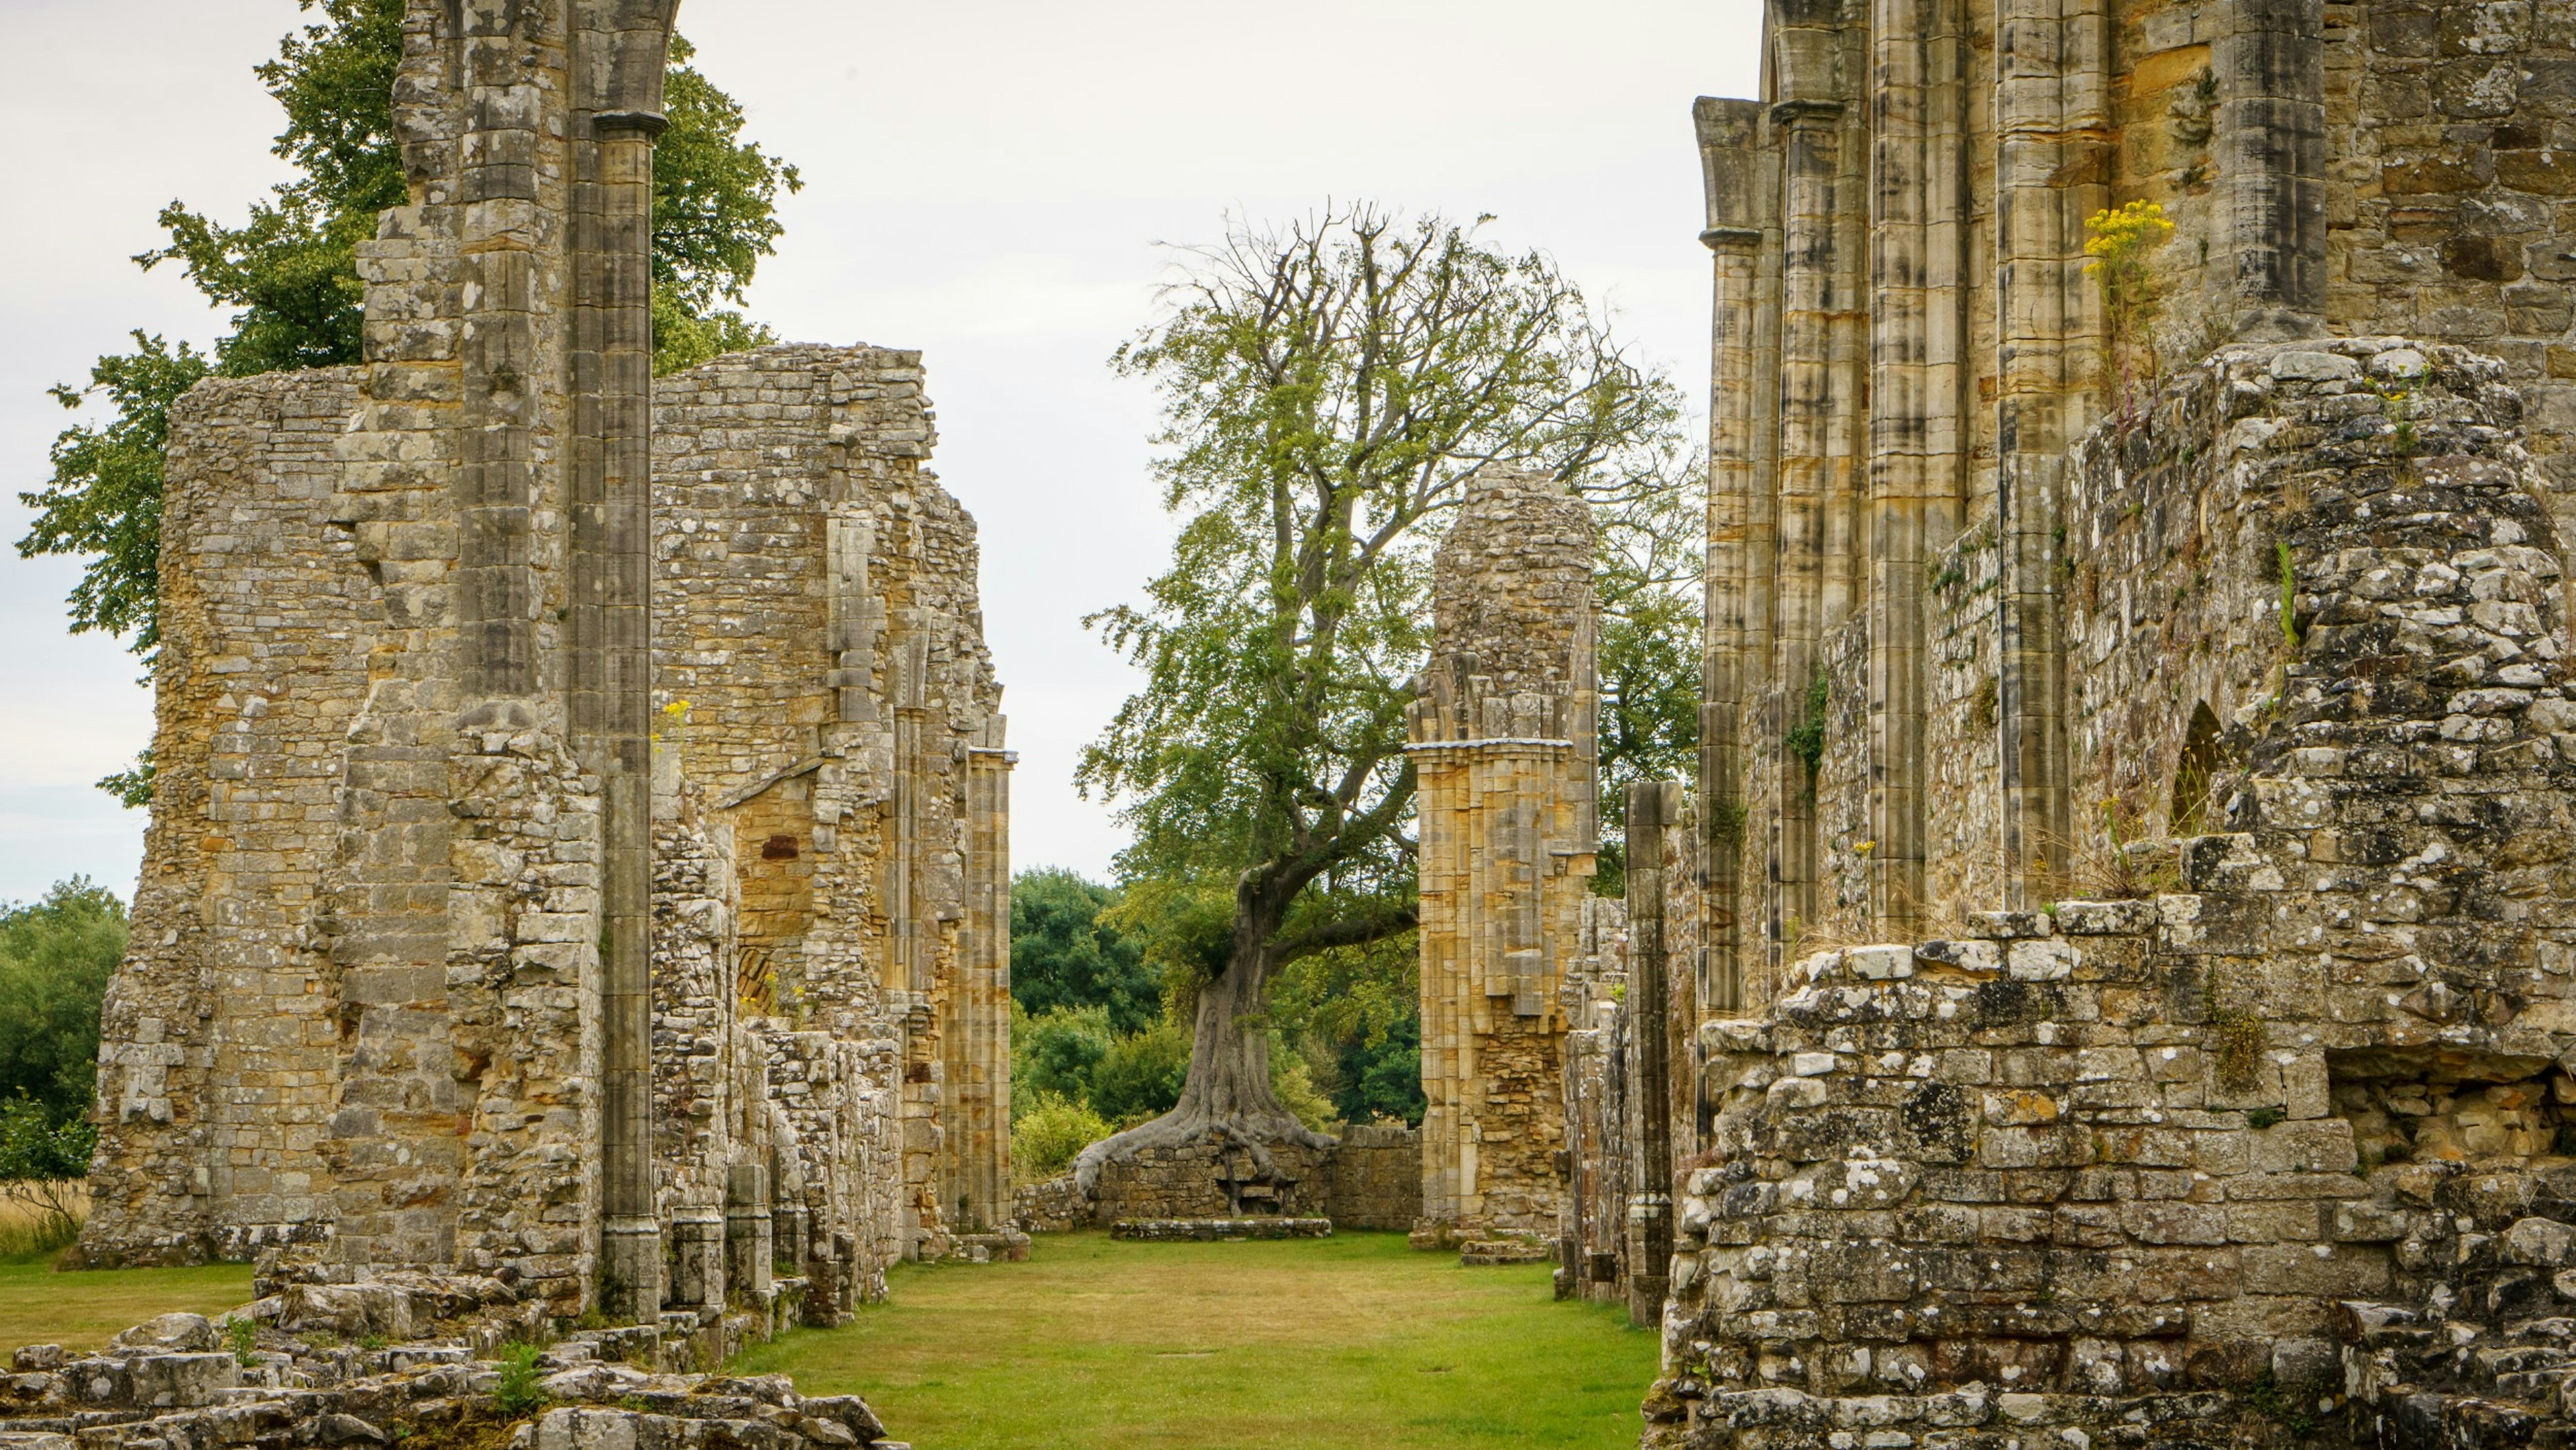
[(2398, 403), (1806, 739), (2122, 244), (2292, 1407), (244, 1337), (519, 1393)]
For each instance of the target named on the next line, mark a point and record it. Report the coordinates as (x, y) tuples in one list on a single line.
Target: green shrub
[(1046, 1139), (1054, 1053), (1140, 1076), (1806, 739), (1293, 1083)]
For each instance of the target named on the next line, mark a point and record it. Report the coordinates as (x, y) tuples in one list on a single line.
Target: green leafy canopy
[(1327, 389)]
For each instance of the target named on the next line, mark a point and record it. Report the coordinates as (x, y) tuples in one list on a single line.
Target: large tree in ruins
[(1327, 389)]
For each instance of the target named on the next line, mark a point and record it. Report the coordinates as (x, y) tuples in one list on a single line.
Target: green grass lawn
[(1353, 1341), (84, 1311)]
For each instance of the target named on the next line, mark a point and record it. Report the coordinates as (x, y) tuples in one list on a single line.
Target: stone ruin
[(2111, 980), (578, 883), (1505, 746)]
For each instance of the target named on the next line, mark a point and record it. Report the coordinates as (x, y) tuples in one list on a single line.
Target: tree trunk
[(1229, 1082)]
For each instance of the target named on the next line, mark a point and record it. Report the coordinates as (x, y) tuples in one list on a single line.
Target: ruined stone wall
[(1374, 1178), (1964, 851), (821, 1101), (1215, 1177), (2257, 630), (1370, 1178), (216, 1075), (2120, 1165), (1504, 745), (2449, 126), (1592, 1238), (822, 632)]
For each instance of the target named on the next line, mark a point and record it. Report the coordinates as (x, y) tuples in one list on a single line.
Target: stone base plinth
[(1209, 1230)]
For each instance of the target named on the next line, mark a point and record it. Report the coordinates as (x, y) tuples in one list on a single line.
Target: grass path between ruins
[(1337, 1344)]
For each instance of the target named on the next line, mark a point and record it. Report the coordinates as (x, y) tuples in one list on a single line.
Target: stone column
[(1915, 433), (979, 1073), (1503, 735), (611, 493), (749, 1253), (1650, 1202), (2269, 59), (1741, 172), (2051, 123), (698, 1256), (1811, 157)]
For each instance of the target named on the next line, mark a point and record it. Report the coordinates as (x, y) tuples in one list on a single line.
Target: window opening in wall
[(2192, 777)]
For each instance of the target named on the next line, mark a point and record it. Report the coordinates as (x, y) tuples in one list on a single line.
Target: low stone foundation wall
[(1370, 1179), (1210, 1230), (1374, 1180), (1054, 1206), (1212, 1178)]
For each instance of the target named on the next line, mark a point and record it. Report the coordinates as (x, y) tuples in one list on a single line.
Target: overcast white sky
[(985, 180)]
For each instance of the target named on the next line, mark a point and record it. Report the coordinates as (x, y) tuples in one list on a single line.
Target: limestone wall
[(1504, 747), (825, 1120), (2121, 1163), (1374, 1179), (1371, 1178), (823, 639), (217, 1073)]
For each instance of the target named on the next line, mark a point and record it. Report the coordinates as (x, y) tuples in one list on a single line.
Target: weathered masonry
[(1504, 743), (2114, 967), (580, 845)]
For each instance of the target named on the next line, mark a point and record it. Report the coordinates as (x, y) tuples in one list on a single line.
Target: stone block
[(2105, 918)]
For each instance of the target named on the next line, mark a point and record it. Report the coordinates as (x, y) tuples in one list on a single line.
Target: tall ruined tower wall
[(219, 1066), (820, 630), (1504, 745)]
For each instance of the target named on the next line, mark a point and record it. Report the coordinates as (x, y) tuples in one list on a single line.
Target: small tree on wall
[(1327, 390)]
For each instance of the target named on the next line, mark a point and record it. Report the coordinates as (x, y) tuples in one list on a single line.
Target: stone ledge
[(1209, 1230)]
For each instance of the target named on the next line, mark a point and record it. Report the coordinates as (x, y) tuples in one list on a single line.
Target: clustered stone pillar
[(1743, 442), (2269, 62), (2052, 121), (979, 1042), (1918, 329), (1505, 750), (1650, 1203), (611, 489)]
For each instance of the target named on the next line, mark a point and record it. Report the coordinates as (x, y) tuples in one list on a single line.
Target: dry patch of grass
[(1339, 1344)]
